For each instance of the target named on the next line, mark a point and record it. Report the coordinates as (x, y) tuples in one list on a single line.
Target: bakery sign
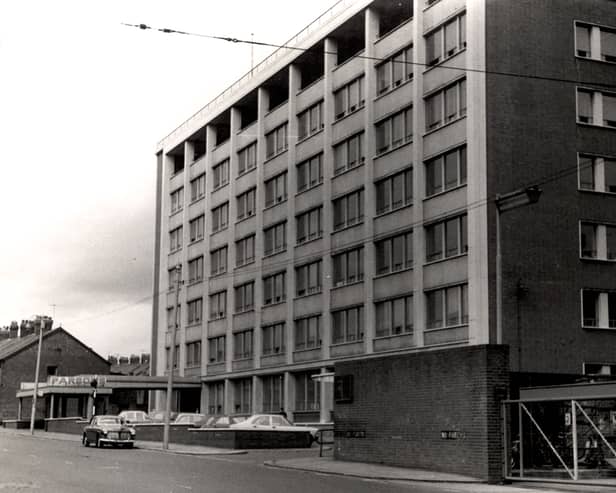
[(76, 381)]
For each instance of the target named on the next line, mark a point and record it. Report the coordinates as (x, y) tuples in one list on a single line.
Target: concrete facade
[(437, 288)]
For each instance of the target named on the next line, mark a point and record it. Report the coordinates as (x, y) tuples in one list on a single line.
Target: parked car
[(223, 421), (188, 418), (110, 430), (159, 416), (134, 416), (273, 422)]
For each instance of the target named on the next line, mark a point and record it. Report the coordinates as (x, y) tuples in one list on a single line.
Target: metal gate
[(556, 439)]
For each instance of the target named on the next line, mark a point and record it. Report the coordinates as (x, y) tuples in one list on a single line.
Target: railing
[(294, 42)]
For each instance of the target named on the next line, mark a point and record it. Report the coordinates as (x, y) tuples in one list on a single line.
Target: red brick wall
[(59, 349), (403, 403)]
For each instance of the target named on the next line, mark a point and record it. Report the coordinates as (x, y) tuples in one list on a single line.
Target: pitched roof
[(10, 347)]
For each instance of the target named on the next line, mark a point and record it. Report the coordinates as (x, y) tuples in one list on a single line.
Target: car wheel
[(85, 441)]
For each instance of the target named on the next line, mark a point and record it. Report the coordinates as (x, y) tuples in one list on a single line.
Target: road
[(34, 464)]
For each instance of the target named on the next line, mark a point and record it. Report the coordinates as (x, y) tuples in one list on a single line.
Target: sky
[(83, 102)]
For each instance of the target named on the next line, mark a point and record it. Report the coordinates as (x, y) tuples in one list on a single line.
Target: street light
[(507, 202)]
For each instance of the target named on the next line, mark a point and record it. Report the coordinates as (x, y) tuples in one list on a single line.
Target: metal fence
[(561, 440)]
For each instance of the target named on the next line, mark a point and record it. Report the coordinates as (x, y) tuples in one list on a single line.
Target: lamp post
[(171, 359), (507, 202)]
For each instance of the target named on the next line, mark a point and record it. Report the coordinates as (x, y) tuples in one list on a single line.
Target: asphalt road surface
[(34, 464)]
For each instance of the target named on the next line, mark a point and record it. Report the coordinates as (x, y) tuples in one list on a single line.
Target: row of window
[(595, 42)]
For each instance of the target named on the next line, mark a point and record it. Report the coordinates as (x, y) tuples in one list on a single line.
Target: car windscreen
[(109, 421)]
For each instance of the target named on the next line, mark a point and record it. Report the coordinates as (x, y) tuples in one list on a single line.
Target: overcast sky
[(83, 102)]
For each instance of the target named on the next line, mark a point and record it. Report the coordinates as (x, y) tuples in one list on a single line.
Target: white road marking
[(185, 487), (13, 486)]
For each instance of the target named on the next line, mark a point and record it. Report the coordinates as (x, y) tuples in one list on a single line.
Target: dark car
[(109, 430)]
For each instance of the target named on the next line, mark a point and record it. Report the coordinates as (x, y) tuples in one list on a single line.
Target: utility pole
[(36, 379), (171, 358)]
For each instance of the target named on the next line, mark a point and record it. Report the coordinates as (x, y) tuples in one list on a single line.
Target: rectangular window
[(597, 173), (217, 349), (446, 105), (309, 173), (394, 131), (308, 278), (276, 189), (195, 311), (582, 40), (349, 98), (308, 333), (276, 141), (175, 239), (221, 174), (242, 344), (597, 241), (349, 210), (348, 325), (447, 307), (245, 297), (273, 338), (216, 400), (603, 46), (310, 121), (193, 354), (245, 251), (273, 393), (197, 228), (218, 261), (243, 396), (176, 357), (394, 253), (394, 192), (309, 225), (608, 45), (348, 267), (246, 204), (195, 270), (446, 238), (275, 238), (220, 217), (446, 40), (247, 159), (349, 153), (197, 188), (274, 288), (307, 392), (178, 317), (394, 316), (218, 305), (177, 200), (602, 103), (599, 309), (395, 70)]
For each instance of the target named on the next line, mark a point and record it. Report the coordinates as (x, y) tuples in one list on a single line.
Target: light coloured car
[(108, 430), (159, 416), (134, 416), (188, 418), (273, 422), (223, 421)]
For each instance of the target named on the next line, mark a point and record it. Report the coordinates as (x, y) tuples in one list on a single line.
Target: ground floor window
[(243, 396), (216, 397), (307, 392), (273, 393)]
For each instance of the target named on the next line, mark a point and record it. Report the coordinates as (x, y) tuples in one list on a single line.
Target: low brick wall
[(72, 425), (22, 424), (434, 410)]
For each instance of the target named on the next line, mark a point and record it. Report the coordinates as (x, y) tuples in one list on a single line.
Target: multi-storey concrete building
[(339, 201)]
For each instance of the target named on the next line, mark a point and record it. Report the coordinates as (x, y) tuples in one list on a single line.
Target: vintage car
[(188, 418), (134, 417), (222, 421), (110, 430), (273, 422)]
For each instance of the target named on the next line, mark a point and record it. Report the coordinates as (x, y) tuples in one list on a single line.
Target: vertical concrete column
[(203, 401), (262, 108), (289, 395), (89, 407), (595, 42), (51, 404), (371, 26), (603, 309), (599, 173), (228, 404), (597, 108), (19, 408), (331, 58), (327, 398), (257, 395), (294, 87)]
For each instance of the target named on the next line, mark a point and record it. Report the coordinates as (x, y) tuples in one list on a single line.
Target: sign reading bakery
[(75, 381)]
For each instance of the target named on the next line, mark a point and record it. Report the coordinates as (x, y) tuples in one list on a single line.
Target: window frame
[(277, 235), (305, 217), (220, 174), (310, 183)]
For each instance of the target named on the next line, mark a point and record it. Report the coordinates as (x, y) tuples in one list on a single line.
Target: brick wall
[(401, 404), (59, 349)]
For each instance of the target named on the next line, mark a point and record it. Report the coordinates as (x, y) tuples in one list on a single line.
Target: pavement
[(327, 465)]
